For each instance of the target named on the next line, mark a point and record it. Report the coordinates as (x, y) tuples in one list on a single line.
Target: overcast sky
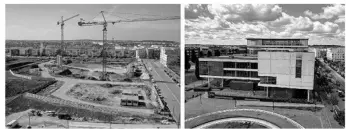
[(39, 22), (231, 24)]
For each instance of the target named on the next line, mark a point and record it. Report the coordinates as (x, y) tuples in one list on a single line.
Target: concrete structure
[(165, 55), (336, 54), (277, 66)]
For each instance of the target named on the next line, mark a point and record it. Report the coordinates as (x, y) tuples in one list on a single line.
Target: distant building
[(320, 53), (336, 54), (279, 67), (167, 54)]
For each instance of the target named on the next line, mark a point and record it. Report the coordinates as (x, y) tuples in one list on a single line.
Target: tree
[(210, 54), (334, 100), (68, 62), (201, 54), (60, 52), (217, 53), (193, 56), (197, 69), (187, 63)]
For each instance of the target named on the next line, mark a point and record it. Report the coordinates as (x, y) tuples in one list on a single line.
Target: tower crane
[(104, 23), (62, 23)]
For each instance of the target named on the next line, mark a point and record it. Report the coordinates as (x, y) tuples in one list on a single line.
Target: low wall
[(20, 76), (275, 104)]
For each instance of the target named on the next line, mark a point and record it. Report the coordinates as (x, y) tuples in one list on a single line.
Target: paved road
[(169, 90), (271, 117), (69, 83)]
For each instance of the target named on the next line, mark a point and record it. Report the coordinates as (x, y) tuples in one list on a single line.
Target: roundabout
[(257, 117), (242, 120)]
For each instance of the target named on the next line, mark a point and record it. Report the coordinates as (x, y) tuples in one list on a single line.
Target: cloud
[(299, 24), (329, 12), (327, 27), (340, 19), (246, 12), (233, 23), (194, 11)]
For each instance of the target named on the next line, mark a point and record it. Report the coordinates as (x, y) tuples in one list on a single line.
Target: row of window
[(242, 65), (251, 74)]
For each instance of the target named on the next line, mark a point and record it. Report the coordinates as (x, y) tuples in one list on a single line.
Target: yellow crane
[(62, 23), (104, 23)]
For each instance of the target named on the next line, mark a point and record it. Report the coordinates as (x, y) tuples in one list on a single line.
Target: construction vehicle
[(104, 23)]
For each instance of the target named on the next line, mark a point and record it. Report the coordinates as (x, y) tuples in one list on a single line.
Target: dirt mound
[(66, 72)]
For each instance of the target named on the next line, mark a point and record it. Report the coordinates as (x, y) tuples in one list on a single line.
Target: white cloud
[(299, 24), (327, 27), (340, 19), (328, 12), (246, 12), (284, 20)]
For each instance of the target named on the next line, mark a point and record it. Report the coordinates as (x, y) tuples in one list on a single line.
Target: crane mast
[(104, 23), (104, 54), (62, 48)]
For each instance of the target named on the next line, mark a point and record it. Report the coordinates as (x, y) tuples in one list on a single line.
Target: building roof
[(277, 38), (236, 56), (130, 97)]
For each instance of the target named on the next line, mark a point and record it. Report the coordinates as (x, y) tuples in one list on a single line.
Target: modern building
[(279, 67), (336, 54)]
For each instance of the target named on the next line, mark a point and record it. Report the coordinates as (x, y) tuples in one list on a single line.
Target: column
[(267, 92), (208, 82), (308, 95)]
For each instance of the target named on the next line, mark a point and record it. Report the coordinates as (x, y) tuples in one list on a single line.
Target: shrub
[(107, 85), (116, 92)]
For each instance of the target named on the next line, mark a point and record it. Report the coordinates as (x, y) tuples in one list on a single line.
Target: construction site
[(100, 91)]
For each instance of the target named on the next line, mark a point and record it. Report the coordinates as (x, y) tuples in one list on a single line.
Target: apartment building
[(167, 54), (336, 54), (279, 67), (319, 53)]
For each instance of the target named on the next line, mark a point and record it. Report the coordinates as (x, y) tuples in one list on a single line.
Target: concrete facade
[(282, 66)]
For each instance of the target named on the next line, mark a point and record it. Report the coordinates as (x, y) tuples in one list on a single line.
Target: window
[(268, 80), (298, 68)]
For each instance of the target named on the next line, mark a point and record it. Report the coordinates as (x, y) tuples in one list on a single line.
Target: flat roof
[(236, 56), (129, 97), (277, 38)]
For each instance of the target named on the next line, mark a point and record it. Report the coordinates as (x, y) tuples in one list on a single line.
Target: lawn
[(190, 77), (15, 85)]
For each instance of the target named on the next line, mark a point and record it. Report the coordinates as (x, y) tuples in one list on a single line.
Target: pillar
[(222, 82), (267, 92), (308, 95), (208, 82)]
